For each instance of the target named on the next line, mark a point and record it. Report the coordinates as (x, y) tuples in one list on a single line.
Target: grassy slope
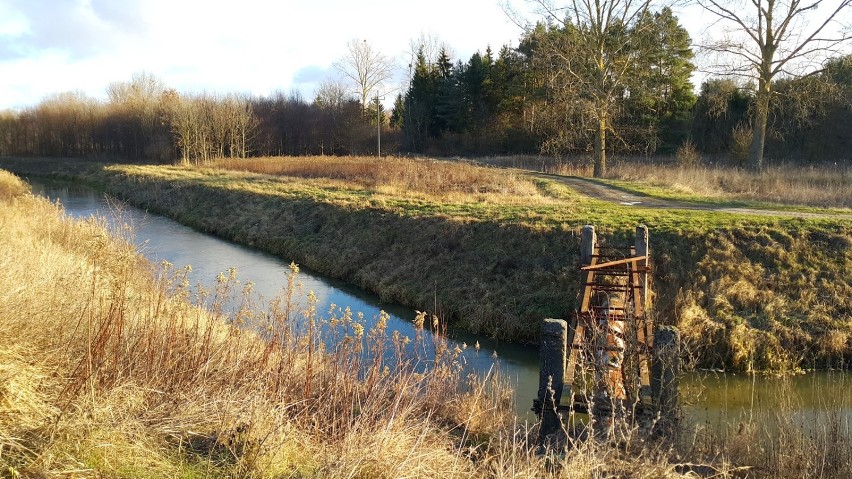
[(747, 292), (106, 370)]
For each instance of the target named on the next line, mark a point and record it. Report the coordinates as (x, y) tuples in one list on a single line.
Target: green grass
[(787, 187), (666, 193), (749, 292)]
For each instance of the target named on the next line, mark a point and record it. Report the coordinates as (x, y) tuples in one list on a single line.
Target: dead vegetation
[(392, 174), (108, 369), (827, 186)]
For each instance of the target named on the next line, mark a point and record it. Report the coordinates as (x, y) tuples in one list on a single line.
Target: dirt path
[(613, 194)]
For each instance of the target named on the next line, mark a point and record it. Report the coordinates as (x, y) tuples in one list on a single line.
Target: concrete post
[(666, 377), (552, 355)]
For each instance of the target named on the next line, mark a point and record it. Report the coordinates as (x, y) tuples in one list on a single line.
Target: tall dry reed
[(815, 185)]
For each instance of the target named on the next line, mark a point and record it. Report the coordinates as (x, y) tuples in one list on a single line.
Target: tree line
[(591, 81), (144, 120)]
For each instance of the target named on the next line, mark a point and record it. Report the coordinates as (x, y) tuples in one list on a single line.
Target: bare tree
[(765, 39), (366, 67), (332, 94), (430, 45), (138, 101), (588, 58)]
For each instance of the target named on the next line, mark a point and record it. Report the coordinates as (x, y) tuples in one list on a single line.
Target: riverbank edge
[(736, 293)]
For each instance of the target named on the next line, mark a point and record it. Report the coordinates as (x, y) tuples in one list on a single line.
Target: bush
[(740, 144), (687, 154)]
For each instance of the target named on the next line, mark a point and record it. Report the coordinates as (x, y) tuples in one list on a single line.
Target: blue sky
[(247, 46)]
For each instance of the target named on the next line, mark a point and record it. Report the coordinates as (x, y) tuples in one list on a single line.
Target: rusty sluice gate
[(612, 362)]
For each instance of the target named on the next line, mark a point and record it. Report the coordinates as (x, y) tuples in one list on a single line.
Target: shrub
[(687, 154)]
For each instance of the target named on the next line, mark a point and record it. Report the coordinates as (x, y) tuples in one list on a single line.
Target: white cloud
[(253, 46)]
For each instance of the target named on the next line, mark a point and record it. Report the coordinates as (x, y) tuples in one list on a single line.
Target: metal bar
[(606, 287), (599, 266), (576, 343), (600, 348)]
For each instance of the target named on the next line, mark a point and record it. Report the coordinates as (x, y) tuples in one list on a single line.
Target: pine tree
[(661, 94)]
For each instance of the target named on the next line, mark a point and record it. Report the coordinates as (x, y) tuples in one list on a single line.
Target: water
[(162, 239), (716, 400), (712, 400)]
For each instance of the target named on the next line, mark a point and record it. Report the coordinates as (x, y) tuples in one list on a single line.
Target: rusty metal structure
[(606, 364)]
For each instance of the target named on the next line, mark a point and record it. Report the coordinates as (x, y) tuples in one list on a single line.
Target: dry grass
[(820, 186), (394, 175), (108, 370), (788, 441), (788, 184)]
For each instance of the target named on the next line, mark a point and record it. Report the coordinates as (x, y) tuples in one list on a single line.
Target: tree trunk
[(758, 135), (600, 148)]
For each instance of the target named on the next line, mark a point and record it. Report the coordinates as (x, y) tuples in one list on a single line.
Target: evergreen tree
[(420, 104), (398, 115), (448, 112), (661, 94)]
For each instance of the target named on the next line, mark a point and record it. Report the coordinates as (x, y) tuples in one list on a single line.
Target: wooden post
[(588, 250), (666, 374), (642, 249), (552, 348), (644, 324), (587, 245)]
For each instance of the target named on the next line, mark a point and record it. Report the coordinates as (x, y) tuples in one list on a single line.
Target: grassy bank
[(107, 369), (496, 254)]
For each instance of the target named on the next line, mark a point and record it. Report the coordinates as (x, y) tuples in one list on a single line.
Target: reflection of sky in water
[(160, 238)]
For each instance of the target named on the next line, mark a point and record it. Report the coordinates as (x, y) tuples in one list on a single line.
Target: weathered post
[(587, 245), (588, 240), (666, 375), (552, 349), (642, 249), (645, 325)]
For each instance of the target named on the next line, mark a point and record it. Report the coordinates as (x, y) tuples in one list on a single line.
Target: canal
[(713, 400)]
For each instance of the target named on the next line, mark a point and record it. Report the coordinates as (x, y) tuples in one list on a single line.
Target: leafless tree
[(766, 39), (588, 63), (139, 102), (332, 94), (366, 67)]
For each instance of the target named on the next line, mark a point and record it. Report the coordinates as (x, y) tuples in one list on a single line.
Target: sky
[(246, 46), (243, 46)]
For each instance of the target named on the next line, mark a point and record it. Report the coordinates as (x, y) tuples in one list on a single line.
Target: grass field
[(108, 369)]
